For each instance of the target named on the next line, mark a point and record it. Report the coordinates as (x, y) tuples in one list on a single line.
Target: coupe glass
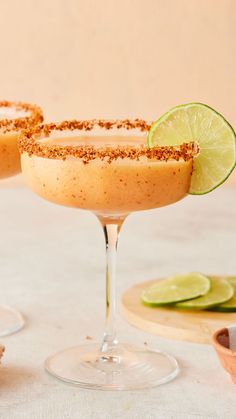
[(14, 117), (105, 167)]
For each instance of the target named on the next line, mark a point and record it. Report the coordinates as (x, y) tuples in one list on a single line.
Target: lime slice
[(229, 305), (176, 288), (220, 291), (214, 135)]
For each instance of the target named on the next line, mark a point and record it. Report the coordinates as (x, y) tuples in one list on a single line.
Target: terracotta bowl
[(227, 357)]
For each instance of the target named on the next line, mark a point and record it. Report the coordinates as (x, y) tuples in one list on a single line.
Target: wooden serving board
[(193, 326)]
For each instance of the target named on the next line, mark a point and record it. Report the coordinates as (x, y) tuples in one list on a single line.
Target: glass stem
[(111, 232)]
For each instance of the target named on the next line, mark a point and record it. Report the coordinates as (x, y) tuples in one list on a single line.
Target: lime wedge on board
[(176, 288), (229, 305), (220, 291), (213, 134)]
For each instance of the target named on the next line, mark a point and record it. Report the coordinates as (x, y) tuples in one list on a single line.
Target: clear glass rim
[(29, 142)]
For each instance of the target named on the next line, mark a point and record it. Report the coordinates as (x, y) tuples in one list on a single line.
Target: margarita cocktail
[(14, 117), (113, 168), (113, 188), (105, 167)]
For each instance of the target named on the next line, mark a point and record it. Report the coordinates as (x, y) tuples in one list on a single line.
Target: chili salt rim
[(28, 143), (35, 116)]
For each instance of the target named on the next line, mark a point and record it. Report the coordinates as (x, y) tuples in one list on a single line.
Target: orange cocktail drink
[(14, 117), (105, 167)]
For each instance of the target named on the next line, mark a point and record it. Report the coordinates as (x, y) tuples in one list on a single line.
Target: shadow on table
[(12, 377)]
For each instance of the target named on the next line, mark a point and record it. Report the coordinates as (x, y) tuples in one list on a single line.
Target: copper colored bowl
[(227, 357)]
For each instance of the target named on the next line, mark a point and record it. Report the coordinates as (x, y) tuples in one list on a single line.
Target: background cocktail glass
[(105, 167), (14, 117)]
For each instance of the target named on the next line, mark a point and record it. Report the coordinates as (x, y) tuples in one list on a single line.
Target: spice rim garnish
[(29, 143)]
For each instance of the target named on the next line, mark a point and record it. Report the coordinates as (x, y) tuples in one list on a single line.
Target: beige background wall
[(118, 58)]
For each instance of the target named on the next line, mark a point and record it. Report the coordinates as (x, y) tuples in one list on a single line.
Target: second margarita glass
[(14, 116), (105, 167)]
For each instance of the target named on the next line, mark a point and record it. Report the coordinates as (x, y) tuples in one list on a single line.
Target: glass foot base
[(10, 320), (124, 368)]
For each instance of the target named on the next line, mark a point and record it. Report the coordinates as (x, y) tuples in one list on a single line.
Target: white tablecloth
[(52, 269)]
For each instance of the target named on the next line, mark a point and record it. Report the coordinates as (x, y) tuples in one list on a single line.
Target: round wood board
[(174, 324)]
